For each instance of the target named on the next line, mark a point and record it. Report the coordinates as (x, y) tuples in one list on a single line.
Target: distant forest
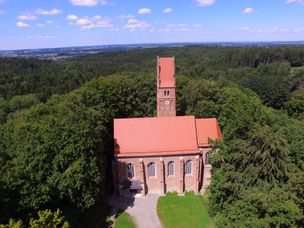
[(56, 139)]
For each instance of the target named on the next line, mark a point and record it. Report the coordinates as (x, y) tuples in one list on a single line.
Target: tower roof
[(166, 72)]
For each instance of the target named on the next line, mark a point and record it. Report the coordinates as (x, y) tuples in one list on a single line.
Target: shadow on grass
[(124, 220), (97, 217)]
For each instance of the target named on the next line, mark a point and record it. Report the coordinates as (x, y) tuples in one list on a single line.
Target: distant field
[(296, 69), (183, 211)]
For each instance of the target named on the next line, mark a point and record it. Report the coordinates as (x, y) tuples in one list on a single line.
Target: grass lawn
[(183, 211), (124, 220), (296, 69)]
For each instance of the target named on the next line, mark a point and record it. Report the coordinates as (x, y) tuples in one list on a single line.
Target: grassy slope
[(124, 220), (183, 211)]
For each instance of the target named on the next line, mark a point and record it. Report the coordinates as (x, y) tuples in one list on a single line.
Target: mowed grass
[(183, 211), (124, 220), (296, 69)]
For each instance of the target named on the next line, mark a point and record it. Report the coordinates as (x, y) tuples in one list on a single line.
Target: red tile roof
[(166, 72), (207, 128), (162, 136)]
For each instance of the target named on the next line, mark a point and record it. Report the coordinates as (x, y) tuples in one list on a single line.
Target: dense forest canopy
[(56, 142)]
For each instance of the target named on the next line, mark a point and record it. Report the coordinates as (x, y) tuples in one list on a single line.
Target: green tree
[(21, 102), (295, 106), (257, 208), (50, 219), (12, 224), (263, 157), (239, 110)]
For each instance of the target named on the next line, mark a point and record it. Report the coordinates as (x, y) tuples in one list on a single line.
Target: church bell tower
[(166, 101)]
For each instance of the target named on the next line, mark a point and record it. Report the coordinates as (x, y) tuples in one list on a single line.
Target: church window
[(207, 161), (171, 168), (131, 171), (151, 170), (166, 93), (188, 167)]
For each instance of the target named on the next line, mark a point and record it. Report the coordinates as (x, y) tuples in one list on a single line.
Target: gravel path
[(142, 209)]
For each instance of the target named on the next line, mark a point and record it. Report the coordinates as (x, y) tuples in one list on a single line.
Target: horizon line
[(162, 43)]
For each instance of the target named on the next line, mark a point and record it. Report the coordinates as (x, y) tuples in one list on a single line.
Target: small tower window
[(166, 93), (131, 171), (151, 170), (171, 168), (188, 167)]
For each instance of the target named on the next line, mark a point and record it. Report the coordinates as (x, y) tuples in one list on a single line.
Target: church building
[(167, 153)]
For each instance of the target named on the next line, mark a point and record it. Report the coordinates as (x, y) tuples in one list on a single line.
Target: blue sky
[(59, 23)]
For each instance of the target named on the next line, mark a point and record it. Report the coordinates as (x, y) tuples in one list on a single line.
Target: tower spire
[(166, 100)]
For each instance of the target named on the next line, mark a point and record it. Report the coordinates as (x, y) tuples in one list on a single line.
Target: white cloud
[(72, 17), (48, 12), (21, 24), (90, 22), (26, 17), (88, 26), (42, 38), (49, 22), (248, 10), (298, 30), (88, 3), (83, 21), (167, 10), (295, 1), (272, 30), (39, 25), (144, 11), (266, 30), (198, 25), (161, 30), (125, 16), (45, 37), (134, 24), (175, 27), (97, 17), (179, 27), (113, 29), (203, 3)]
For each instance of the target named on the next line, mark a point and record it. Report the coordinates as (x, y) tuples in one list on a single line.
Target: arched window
[(151, 170), (171, 168), (207, 161), (166, 93), (188, 167), (131, 171)]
